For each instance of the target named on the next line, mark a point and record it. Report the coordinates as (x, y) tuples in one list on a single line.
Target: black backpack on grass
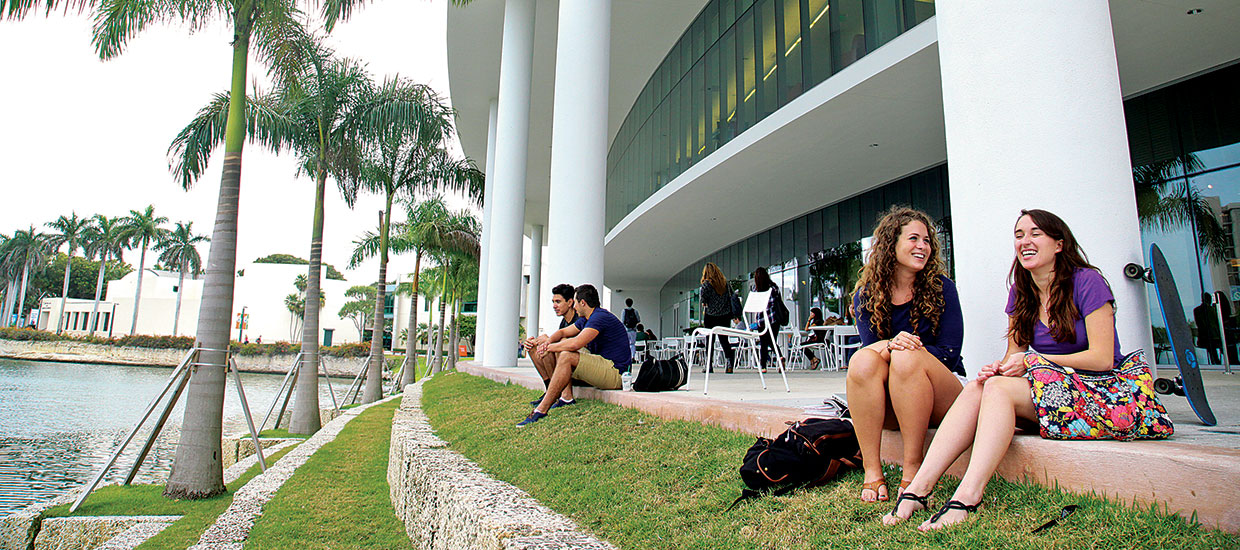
[(809, 453), (662, 375)]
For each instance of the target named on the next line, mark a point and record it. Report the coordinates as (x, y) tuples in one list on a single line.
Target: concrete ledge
[(89, 532), (448, 502), (1187, 478)]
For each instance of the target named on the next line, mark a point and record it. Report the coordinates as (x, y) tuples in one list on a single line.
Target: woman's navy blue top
[(943, 345)]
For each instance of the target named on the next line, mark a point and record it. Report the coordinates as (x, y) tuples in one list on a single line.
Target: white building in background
[(259, 291)]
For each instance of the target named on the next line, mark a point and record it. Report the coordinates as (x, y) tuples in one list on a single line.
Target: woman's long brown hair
[(1061, 311), (711, 274), (878, 274)]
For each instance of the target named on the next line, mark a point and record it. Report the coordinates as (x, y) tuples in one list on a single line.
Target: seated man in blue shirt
[(594, 349)]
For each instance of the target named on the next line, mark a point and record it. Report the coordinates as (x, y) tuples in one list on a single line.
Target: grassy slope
[(134, 500), (340, 497), (643, 482)]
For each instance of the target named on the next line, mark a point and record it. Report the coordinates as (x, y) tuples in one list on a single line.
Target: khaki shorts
[(596, 371)]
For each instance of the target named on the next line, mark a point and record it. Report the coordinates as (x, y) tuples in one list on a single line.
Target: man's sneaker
[(532, 418), (535, 402), (562, 403)]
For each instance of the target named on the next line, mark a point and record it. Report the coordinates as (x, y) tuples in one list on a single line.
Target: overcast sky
[(88, 136)]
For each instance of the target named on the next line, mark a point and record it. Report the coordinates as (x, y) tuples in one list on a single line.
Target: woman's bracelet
[(888, 345)]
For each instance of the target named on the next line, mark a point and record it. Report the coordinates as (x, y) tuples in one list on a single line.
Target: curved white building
[(638, 140)]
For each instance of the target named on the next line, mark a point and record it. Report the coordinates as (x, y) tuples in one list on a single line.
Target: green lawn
[(338, 498), (643, 482), (143, 500)]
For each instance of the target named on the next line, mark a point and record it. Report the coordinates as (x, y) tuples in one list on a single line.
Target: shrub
[(30, 335), (148, 341), (358, 349)]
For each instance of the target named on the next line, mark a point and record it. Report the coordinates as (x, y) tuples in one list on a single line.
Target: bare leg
[(1003, 399), (561, 380), (955, 434), (544, 363), (867, 401), (921, 390)]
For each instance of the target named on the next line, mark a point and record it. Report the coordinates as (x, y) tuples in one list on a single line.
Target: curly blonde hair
[(878, 274)]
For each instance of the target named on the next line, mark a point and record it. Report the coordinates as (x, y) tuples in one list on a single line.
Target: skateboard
[(1188, 383)]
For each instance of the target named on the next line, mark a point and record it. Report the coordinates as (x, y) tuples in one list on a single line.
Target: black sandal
[(907, 495), (953, 505)]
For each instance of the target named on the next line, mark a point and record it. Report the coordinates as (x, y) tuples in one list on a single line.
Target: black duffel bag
[(809, 453), (662, 375)]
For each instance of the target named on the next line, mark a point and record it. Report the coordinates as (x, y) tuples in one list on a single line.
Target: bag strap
[(747, 494)]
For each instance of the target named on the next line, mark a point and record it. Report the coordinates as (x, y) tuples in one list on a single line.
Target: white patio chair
[(839, 345), (799, 347), (755, 308)]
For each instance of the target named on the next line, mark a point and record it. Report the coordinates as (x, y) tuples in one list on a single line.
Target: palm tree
[(270, 26), (70, 232), (103, 241), (29, 249), (462, 273), (8, 274), (462, 240), (141, 229), (1167, 199), (180, 248), (409, 156)]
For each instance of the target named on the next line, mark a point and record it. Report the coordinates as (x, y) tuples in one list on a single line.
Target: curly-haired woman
[(909, 371), (717, 308)]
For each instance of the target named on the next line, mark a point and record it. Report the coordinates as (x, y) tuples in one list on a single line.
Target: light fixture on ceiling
[(1194, 11), (873, 145)]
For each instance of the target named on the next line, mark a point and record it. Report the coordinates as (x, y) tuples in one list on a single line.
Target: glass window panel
[(918, 11), (687, 120), (698, 111), (884, 21), (800, 242), (813, 232), (767, 51), (746, 69), (714, 107), (792, 50), (755, 251), (765, 254), (788, 237), (847, 32), (696, 32), (727, 60), (819, 41)]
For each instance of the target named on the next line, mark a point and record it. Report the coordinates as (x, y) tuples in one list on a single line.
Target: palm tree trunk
[(409, 375), (374, 371), (443, 298), (64, 294), (454, 340), (94, 312), (21, 304), (197, 470), (137, 295), (306, 409), (10, 296), (176, 317)]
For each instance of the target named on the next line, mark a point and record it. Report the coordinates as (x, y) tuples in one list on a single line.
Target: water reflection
[(59, 423)]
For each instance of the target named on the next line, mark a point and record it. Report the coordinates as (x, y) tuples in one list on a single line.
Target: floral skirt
[(1120, 404)]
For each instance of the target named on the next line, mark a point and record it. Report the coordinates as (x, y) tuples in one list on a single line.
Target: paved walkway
[(1197, 470)]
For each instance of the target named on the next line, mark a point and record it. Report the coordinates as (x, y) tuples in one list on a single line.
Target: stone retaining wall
[(82, 352), (448, 502)]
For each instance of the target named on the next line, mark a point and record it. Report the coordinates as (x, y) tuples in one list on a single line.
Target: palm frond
[(190, 150), (19, 9), (364, 247)]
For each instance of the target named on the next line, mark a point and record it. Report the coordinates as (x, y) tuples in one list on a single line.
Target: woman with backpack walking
[(717, 309), (908, 372), (775, 309)]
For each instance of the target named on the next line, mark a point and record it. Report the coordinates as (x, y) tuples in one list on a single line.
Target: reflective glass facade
[(1185, 143), (812, 257), (738, 62)]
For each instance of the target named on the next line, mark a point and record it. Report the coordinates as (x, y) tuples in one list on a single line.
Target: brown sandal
[(904, 483), (873, 486)]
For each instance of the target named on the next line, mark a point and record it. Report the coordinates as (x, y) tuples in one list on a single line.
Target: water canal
[(59, 423)]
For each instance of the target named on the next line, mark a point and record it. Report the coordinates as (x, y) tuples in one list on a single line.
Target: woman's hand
[(904, 342), (1012, 365)]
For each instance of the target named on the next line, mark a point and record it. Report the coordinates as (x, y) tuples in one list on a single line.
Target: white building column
[(533, 303), (1035, 119), (579, 142), (487, 204), (508, 215)]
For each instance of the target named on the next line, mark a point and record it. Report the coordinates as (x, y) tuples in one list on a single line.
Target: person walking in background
[(631, 320), (908, 316), (775, 310), (717, 309), (1206, 319)]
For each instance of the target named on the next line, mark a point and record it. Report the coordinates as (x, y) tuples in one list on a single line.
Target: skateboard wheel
[(1134, 271), (1164, 386)]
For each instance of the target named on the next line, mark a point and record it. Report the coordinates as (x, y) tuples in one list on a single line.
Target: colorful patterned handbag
[(1120, 404)]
